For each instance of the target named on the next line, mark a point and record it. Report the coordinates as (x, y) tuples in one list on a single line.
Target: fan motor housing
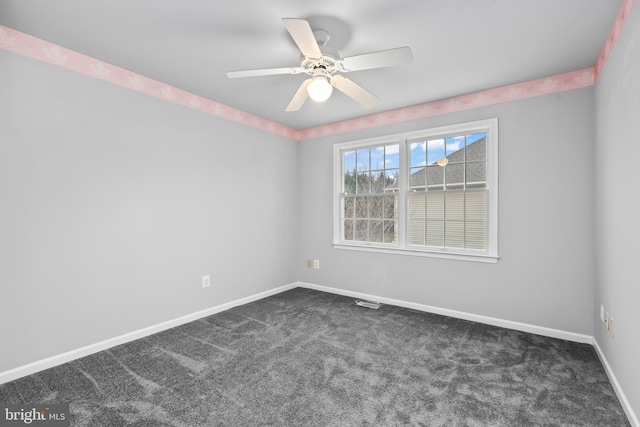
[(327, 62)]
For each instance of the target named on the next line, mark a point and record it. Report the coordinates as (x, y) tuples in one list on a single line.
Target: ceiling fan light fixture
[(319, 89)]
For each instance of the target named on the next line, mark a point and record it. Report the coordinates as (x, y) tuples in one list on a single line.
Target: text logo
[(53, 415)]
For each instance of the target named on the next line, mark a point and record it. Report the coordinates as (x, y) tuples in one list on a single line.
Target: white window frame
[(490, 254)]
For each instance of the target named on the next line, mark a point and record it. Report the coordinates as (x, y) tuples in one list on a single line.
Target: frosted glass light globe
[(319, 89)]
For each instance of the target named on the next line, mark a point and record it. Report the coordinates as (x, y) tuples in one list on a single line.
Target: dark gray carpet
[(308, 358)]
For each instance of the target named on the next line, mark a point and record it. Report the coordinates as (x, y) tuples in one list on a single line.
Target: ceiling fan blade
[(299, 98), (383, 58), (353, 90), (302, 34), (263, 72)]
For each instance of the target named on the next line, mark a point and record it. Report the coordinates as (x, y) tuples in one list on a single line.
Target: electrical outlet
[(206, 281), (309, 264), (611, 323), (602, 312), (606, 321), (316, 263)]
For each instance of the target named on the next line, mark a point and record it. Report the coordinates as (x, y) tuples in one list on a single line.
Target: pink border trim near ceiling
[(559, 83), (42, 50), (614, 33)]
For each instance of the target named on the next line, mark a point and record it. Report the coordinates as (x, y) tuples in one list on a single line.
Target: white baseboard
[(633, 419), (59, 359), (524, 327)]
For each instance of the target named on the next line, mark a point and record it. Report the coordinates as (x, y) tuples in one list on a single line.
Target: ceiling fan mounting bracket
[(322, 37)]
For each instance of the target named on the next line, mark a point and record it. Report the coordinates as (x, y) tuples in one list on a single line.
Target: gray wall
[(617, 169), (545, 274), (114, 204)]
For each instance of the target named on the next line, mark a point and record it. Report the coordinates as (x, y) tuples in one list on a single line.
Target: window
[(370, 194), (431, 193)]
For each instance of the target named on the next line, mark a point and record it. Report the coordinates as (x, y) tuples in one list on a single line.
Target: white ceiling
[(459, 46)]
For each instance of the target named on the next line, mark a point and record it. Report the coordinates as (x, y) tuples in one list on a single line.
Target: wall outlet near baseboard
[(606, 321), (602, 312), (316, 264), (206, 281)]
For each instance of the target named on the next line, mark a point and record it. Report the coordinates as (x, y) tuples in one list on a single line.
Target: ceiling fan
[(325, 66)]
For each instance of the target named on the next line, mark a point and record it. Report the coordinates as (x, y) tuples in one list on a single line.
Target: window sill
[(491, 259)]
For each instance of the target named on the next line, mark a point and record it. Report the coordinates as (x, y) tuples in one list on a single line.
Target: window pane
[(476, 206), (363, 184), (477, 147), (375, 206), (416, 233), (454, 176), (476, 175), (417, 180), (435, 150), (454, 149), (475, 235), (417, 206), (377, 158), (348, 230), (454, 207), (454, 234), (348, 210), (435, 206), (435, 177), (390, 207), (435, 233), (361, 231), (350, 182), (349, 161), (392, 156), (391, 182), (418, 154), (375, 231), (377, 182), (390, 231), (362, 209), (362, 159)]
